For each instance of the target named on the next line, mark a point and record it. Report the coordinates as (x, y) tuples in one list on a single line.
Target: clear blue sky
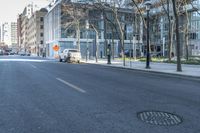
[(9, 9)]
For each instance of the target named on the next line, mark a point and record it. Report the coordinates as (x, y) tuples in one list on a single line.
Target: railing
[(195, 52)]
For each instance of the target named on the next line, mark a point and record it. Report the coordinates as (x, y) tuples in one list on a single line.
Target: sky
[(9, 9)]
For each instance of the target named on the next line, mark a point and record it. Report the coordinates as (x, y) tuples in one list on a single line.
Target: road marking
[(71, 85), (23, 60), (33, 66)]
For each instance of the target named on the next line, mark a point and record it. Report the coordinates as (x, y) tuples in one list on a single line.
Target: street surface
[(44, 96)]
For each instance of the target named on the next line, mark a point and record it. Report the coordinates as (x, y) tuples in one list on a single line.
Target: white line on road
[(33, 66), (71, 85)]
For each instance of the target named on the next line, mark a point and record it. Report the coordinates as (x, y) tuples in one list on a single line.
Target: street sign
[(56, 47), (129, 29)]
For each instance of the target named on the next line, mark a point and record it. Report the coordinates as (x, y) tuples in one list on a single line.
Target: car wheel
[(60, 60), (68, 60), (78, 61), (65, 59)]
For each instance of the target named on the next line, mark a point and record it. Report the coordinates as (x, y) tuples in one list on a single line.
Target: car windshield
[(99, 66), (73, 50)]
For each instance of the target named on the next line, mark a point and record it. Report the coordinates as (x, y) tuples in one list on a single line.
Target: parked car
[(11, 53), (1, 52), (156, 54), (6, 53), (28, 54), (22, 53), (130, 53), (70, 55)]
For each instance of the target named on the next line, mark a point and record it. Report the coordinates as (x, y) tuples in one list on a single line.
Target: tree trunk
[(121, 29), (186, 35), (179, 68)]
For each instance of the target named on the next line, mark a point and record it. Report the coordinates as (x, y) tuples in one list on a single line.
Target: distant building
[(30, 9), (35, 32), (0, 33), (15, 46), (22, 24), (6, 34), (19, 29)]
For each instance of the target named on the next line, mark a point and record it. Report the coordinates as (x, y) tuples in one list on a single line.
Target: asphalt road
[(52, 97)]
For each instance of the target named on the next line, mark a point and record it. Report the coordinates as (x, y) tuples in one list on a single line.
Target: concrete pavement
[(166, 68)]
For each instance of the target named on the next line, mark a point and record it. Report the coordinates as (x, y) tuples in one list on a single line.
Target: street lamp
[(96, 41), (148, 6)]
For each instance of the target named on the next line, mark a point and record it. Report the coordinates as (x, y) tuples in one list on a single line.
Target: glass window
[(73, 50), (41, 19), (41, 26)]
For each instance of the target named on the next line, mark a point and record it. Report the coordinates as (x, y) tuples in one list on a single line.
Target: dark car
[(156, 54), (1, 52), (128, 53), (22, 53), (6, 53), (11, 53)]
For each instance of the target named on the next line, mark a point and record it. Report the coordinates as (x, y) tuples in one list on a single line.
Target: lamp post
[(148, 6), (96, 42), (109, 54)]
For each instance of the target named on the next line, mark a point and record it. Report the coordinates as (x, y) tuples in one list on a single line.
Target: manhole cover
[(159, 118)]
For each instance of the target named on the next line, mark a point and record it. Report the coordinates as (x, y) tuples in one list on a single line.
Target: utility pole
[(148, 5)]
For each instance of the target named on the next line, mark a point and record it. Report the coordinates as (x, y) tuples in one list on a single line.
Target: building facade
[(19, 34), (15, 46), (6, 34), (9, 35), (23, 20), (36, 33), (0, 33), (159, 27), (61, 27)]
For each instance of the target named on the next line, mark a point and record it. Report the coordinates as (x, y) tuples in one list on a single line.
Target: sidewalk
[(166, 68)]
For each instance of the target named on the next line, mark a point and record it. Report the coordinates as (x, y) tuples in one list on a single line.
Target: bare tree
[(186, 30), (74, 13), (170, 25), (115, 8)]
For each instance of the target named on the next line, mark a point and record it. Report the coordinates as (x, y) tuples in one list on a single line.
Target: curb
[(151, 71)]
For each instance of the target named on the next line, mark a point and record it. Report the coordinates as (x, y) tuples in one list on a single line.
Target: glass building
[(159, 26), (61, 28)]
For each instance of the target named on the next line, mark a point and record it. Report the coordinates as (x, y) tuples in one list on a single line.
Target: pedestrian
[(172, 54)]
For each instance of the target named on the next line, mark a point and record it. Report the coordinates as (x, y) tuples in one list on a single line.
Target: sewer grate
[(159, 118)]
